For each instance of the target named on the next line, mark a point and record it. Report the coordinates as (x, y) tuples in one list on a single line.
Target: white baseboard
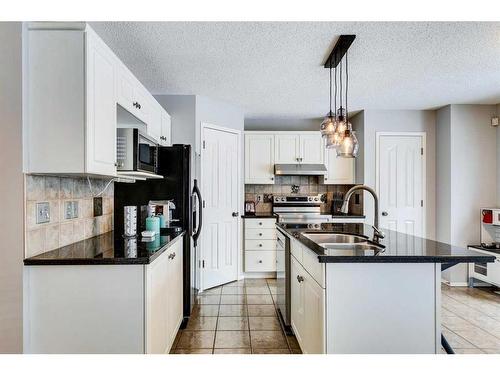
[(454, 283), (258, 275)]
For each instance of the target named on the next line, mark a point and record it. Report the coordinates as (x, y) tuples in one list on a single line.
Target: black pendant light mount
[(339, 50)]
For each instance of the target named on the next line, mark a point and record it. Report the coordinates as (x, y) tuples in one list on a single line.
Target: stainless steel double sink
[(337, 243)]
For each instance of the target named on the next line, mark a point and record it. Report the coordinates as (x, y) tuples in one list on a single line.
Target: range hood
[(299, 169)]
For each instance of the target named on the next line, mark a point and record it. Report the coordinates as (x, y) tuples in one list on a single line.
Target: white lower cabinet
[(307, 310), (164, 300), (260, 245), (104, 309)]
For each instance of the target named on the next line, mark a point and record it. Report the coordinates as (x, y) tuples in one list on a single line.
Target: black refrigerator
[(174, 164)]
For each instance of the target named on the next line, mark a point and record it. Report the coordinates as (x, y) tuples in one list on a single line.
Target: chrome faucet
[(377, 233)]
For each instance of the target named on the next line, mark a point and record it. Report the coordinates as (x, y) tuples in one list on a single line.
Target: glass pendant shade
[(328, 125), (349, 146)]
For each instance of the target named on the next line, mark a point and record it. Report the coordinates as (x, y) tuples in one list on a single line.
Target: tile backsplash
[(59, 231), (308, 185)]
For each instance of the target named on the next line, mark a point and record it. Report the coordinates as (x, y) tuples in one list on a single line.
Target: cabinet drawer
[(260, 234), (260, 261), (296, 249), (260, 223), (313, 266), (260, 244)]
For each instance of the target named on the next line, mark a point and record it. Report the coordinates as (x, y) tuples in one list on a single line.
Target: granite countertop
[(269, 215), (108, 248), (398, 247), (480, 247)]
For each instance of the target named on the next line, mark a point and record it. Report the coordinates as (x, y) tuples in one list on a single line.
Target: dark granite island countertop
[(398, 247), (107, 248)]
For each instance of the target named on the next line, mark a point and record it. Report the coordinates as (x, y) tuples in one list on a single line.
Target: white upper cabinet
[(299, 147), (166, 129), (287, 148), (311, 148), (74, 86), (339, 170), (153, 110), (259, 158), (101, 108)]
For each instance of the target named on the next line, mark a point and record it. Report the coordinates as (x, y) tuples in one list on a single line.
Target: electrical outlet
[(97, 206), (42, 212), (70, 209), (260, 198)]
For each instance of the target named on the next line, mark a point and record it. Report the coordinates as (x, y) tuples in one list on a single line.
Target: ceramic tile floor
[(240, 318), (470, 318), (236, 318)]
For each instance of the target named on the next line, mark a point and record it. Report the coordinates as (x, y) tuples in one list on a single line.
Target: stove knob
[(310, 199), (282, 199), (316, 199)]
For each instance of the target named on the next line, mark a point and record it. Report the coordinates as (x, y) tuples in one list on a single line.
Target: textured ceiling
[(274, 70)]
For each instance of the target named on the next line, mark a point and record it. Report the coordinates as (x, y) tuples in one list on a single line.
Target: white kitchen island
[(359, 301)]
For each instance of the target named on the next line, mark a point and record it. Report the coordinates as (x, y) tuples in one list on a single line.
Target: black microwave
[(135, 151)]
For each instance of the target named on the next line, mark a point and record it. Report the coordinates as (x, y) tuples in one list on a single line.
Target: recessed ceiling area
[(275, 69)]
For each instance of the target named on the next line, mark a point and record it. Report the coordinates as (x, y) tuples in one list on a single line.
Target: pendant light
[(328, 125), (330, 138), (348, 147)]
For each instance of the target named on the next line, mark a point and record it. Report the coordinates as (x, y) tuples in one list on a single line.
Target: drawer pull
[(260, 245), (260, 261), (260, 234), (260, 222), (300, 278)]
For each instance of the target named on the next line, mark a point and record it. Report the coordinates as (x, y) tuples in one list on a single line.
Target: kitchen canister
[(153, 224), (130, 221)]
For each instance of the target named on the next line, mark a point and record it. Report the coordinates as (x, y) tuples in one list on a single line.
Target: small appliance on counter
[(249, 208), (489, 243)]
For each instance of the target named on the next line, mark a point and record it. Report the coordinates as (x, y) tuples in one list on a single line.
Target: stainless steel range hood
[(299, 169)]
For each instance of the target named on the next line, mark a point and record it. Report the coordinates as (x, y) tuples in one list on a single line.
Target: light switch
[(42, 212), (70, 209)]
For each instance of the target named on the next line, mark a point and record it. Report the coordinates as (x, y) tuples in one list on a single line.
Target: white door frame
[(423, 135), (206, 125)]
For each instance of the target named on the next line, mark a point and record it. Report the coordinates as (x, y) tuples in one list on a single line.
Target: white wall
[(11, 188), (498, 157), (443, 175), (472, 175), (373, 121), (283, 124)]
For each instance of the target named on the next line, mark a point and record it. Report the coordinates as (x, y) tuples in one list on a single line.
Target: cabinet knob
[(384, 213), (260, 223), (260, 234), (260, 245), (272, 178), (260, 261)]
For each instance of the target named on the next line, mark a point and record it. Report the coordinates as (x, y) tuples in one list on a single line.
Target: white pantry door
[(401, 182), (220, 163)]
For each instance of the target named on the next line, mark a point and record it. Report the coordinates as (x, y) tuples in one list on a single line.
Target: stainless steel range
[(300, 211), (303, 209)]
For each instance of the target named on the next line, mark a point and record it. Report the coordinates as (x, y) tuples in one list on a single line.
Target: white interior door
[(220, 164), (401, 182)]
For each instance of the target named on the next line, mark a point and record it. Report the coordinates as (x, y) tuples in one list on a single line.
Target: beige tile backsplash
[(60, 231), (308, 185)]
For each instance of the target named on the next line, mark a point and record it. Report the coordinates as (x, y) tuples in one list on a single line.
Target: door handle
[(235, 214), (300, 278), (384, 213)]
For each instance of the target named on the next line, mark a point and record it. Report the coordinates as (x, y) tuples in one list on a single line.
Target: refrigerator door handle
[(196, 191)]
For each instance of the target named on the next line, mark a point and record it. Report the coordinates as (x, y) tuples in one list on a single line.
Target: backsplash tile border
[(59, 231)]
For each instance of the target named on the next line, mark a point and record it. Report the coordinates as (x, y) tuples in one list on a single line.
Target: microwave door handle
[(197, 192)]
